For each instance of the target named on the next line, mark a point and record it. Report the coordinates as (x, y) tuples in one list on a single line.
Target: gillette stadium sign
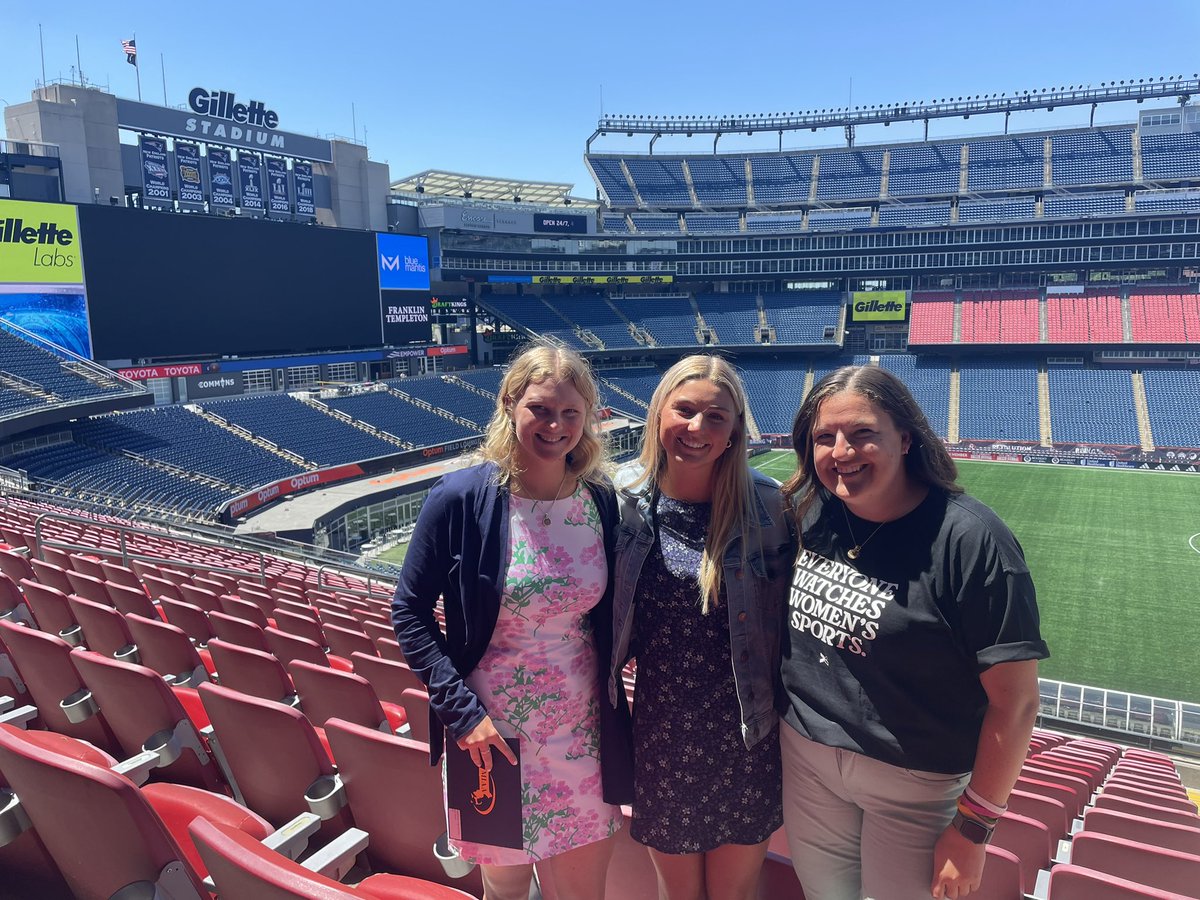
[(221, 117)]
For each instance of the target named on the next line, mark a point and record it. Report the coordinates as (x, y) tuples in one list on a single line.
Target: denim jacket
[(754, 600)]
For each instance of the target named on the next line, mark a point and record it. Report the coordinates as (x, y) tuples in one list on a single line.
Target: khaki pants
[(860, 828)]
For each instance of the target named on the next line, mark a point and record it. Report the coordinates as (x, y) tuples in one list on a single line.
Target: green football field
[(1115, 556)]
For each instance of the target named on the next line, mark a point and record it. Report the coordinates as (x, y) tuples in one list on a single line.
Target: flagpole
[(163, 67), (137, 70), (42, 46)]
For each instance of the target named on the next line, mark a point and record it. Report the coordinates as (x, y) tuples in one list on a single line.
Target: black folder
[(484, 807)]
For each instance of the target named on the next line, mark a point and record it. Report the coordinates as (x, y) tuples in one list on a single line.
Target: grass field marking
[(1192, 542)]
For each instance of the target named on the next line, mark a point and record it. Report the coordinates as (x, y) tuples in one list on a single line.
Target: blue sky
[(514, 89)]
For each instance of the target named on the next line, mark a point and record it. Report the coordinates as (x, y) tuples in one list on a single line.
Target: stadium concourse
[(199, 675)]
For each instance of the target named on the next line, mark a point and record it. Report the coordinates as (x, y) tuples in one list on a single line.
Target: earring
[(728, 444)]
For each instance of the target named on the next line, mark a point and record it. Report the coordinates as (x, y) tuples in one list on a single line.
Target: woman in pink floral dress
[(519, 548)]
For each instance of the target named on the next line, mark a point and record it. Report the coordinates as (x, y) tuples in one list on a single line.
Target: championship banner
[(303, 177), (879, 306), (187, 161), (250, 180), (277, 185), (156, 183), (220, 178)]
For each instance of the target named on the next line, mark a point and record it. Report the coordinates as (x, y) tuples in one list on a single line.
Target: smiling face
[(549, 418), (697, 422), (858, 455)]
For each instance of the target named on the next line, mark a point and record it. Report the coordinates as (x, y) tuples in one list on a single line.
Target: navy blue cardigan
[(458, 551)]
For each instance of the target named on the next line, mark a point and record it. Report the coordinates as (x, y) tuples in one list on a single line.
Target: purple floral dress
[(538, 677)]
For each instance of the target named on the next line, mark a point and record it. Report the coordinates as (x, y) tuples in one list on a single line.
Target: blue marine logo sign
[(403, 262)]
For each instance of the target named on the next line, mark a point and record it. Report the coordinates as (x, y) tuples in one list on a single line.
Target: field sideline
[(1116, 569)]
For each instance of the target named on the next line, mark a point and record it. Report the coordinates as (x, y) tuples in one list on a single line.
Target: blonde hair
[(533, 365), (732, 488)]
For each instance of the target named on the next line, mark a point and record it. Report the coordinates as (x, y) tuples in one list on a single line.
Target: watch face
[(973, 831)]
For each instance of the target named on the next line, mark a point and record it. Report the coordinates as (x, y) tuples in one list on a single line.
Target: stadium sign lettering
[(145, 372), (223, 105), (302, 481), (400, 263), (216, 383), (433, 451), (15, 231), (876, 306)]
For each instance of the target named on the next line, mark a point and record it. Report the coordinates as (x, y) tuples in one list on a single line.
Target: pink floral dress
[(538, 678)]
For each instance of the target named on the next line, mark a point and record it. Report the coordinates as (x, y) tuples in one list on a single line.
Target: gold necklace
[(546, 512), (853, 552)]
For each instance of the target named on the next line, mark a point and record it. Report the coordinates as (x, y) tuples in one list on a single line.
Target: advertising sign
[(41, 273), (305, 199), (602, 279), (156, 182), (277, 185), (177, 370), (199, 387), (250, 181), (187, 161), (405, 316), (879, 306), (220, 178), (39, 243), (562, 224), (403, 262)]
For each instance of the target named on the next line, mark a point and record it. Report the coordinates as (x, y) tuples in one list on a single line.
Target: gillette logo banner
[(403, 262)]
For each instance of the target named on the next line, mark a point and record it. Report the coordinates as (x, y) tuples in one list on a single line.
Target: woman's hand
[(480, 741), (957, 865)]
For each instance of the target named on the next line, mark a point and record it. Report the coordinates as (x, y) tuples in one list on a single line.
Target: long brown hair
[(927, 460), (733, 489), (535, 364)]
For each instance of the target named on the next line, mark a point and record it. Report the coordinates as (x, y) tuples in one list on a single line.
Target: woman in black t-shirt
[(910, 666)]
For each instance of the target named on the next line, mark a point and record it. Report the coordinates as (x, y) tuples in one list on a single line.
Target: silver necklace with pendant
[(546, 513)]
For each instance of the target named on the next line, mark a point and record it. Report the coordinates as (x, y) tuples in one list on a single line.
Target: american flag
[(130, 48)]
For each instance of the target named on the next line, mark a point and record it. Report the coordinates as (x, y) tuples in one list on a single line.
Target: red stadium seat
[(52, 611), (130, 600), (169, 652), (89, 588), (104, 629), (303, 626), (243, 869), (252, 672), (396, 796), (345, 641), (1027, 839), (145, 714), (1050, 812), (1002, 877), (12, 603), (51, 575), (390, 679), (1157, 867), (1141, 829), (275, 758), (235, 630), (326, 693), (1070, 882), (1106, 800), (287, 647), (191, 620), (44, 662), (105, 834), (16, 566), (118, 574)]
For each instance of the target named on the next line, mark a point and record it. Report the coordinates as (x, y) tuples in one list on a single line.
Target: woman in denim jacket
[(703, 554)]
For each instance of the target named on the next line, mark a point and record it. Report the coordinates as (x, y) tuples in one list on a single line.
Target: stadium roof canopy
[(480, 187)]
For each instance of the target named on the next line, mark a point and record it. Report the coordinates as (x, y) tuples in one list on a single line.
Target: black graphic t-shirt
[(883, 653)]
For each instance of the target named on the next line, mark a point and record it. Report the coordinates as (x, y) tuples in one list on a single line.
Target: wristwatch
[(974, 831)]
